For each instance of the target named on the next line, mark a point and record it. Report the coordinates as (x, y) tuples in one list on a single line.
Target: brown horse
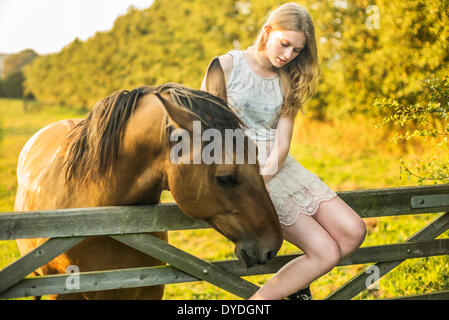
[(120, 155)]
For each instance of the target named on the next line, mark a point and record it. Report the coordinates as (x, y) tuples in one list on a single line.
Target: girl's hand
[(280, 149)]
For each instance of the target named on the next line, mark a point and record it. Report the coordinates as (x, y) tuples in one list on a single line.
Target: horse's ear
[(215, 80), (180, 116)]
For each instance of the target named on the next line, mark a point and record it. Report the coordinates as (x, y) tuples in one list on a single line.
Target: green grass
[(347, 155)]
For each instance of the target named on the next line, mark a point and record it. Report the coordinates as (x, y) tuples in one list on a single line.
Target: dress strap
[(237, 62), (236, 57)]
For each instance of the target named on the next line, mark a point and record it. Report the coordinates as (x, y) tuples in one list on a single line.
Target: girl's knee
[(354, 229), (358, 232), (362, 231), (333, 255), (327, 253), (353, 237)]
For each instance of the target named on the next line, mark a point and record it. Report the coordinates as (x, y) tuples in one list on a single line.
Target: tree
[(15, 62), (175, 40), (427, 121), (362, 62), (12, 85), (13, 77)]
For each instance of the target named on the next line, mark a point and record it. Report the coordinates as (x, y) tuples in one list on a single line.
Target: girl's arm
[(280, 148)]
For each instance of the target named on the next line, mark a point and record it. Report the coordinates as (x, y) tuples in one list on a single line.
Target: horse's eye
[(228, 180)]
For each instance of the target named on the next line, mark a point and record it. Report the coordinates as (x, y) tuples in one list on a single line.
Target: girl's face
[(283, 46)]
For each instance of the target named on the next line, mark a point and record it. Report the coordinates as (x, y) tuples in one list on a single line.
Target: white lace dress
[(257, 101)]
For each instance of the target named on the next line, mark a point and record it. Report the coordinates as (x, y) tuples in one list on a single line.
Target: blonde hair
[(299, 77)]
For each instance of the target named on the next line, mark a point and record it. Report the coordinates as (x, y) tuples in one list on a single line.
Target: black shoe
[(303, 294)]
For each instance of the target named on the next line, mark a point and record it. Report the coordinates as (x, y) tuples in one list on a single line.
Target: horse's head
[(220, 181), (124, 154)]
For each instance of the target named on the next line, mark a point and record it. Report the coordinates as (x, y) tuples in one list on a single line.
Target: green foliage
[(345, 154), (144, 47), (15, 62), (12, 84), (426, 121), (361, 63), (175, 40), (170, 41)]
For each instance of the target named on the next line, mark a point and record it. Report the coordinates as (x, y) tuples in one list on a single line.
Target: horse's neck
[(142, 184), (140, 176)]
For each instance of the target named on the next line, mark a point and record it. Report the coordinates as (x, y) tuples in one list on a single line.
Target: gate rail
[(130, 225)]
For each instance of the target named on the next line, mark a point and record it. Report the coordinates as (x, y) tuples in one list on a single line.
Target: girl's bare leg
[(343, 224), (321, 254), (333, 232)]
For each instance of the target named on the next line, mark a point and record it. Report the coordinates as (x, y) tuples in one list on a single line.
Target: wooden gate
[(129, 225)]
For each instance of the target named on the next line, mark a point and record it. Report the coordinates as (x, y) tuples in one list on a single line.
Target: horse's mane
[(95, 141)]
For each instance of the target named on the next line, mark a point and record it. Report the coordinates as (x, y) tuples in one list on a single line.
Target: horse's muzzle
[(251, 254)]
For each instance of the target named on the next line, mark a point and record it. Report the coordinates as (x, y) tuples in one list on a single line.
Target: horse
[(120, 155)]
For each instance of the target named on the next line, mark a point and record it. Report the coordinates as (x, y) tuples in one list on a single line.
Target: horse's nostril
[(271, 254), (243, 256)]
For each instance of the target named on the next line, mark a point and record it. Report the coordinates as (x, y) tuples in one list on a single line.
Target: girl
[(267, 84)]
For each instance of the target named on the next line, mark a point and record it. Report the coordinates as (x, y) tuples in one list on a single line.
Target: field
[(347, 155)]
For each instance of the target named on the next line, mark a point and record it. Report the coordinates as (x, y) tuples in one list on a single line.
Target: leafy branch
[(425, 121)]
